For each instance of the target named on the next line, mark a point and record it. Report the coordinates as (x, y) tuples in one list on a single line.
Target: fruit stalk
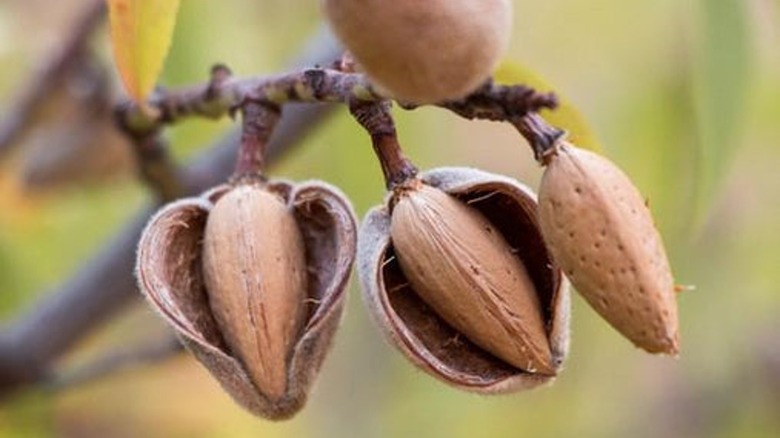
[(259, 120), (376, 119)]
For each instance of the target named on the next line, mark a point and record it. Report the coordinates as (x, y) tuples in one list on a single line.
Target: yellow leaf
[(566, 116), (141, 32)]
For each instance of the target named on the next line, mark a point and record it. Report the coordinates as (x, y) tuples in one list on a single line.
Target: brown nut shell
[(170, 277), (424, 51), (462, 267), (254, 271), (423, 336), (600, 231)]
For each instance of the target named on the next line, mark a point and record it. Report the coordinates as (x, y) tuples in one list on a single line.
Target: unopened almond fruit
[(599, 230), (423, 51), (461, 266)]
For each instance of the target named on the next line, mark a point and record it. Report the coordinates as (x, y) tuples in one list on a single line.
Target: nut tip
[(673, 349), (547, 368), (668, 346)]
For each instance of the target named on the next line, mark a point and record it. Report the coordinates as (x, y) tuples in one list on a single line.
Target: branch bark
[(114, 361), (50, 75), (216, 99)]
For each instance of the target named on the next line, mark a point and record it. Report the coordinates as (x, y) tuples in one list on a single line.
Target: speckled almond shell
[(425, 338), (601, 233), (170, 277)]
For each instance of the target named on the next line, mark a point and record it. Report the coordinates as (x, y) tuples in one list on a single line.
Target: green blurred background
[(684, 95)]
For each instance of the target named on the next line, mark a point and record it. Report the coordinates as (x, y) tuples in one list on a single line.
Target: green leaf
[(141, 33), (566, 116), (721, 70)]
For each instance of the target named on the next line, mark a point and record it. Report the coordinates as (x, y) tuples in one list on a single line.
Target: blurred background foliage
[(684, 95)]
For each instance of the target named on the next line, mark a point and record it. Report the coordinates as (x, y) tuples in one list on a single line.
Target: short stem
[(158, 167), (220, 74), (259, 120), (375, 117), (501, 102), (540, 135)]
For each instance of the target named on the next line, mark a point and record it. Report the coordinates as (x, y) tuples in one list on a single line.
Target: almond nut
[(461, 266), (601, 233), (448, 348), (278, 257), (424, 51), (254, 270)]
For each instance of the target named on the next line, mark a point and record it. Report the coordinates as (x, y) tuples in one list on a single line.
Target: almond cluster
[(463, 271)]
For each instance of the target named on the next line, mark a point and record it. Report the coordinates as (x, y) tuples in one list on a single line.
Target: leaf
[(141, 33), (721, 68), (566, 116)]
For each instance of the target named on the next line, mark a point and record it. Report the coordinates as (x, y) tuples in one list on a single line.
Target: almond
[(424, 51), (599, 230), (254, 268), (171, 269), (462, 267)]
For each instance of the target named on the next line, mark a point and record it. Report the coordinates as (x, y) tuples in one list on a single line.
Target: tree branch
[(214, 100), (314, 85), (56, 68), (114, 361)]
